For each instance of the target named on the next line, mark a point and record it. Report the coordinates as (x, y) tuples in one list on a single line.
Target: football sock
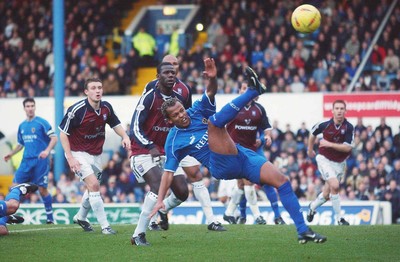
[(150, 201), (319, 201), (251, 196), (230, 110), (291, 204), (235, 199), (14, 194), (85, 207), (98, 208), (170, 202), (336, 205), (154, 219), (202, 194), (243, 207), (48, 207), (273, 198), (3, 208)]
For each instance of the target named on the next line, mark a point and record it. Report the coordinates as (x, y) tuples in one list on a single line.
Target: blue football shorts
[(246, 164), (33, 170)]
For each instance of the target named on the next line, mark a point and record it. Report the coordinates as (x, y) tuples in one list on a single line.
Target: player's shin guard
[(48, 207), (97, 205), (336, 205), (229, 111), (171, 201), (319, 201), (85, 207), (235, 199), (251, 196), (149, 202), (273, 198), (202, 194), (291, 204)]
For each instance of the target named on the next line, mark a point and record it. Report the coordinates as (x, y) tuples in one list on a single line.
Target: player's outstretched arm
[(166, 181), (13, 152), (210, 72)]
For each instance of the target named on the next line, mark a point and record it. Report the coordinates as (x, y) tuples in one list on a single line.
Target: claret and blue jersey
[(85, 126)]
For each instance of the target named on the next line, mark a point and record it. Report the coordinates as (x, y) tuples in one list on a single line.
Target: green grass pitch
[(196, 243)]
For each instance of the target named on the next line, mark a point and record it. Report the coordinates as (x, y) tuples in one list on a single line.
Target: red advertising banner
[(365, 105)]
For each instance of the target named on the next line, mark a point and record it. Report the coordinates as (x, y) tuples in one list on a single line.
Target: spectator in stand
[(378, 56), (111, 85), (383, 81), (352, 46), (392, 194), (297, 86), (320, 73), (41, 43), (383, 126), (145, 44), (100, 58), (391, 63)]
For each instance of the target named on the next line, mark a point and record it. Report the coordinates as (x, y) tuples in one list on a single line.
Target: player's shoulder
[(41, 120), (150, 85), (106, 104), (259, 106), (348, 123), (78, 105)]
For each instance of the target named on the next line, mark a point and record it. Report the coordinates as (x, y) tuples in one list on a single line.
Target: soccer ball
[(306, 19)]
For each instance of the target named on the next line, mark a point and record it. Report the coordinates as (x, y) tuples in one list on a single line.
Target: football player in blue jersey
[(200, 132), (10, 205), (334, 149), (36, 135)]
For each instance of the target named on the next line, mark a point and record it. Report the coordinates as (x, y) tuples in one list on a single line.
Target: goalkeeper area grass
[(196, 243)]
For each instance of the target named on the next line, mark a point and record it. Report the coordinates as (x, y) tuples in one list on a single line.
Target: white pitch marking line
[(41, 229)]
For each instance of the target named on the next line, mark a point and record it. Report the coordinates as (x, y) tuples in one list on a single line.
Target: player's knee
[(213, 122), (12, 206)]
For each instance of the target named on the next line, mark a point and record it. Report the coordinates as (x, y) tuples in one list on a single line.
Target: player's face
[(94, 91), (339, 111), (173, 61), (30, 109), (177, 115), (167, 76)]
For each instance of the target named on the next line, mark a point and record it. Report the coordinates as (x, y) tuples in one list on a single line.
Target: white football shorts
[(330, 169), (226, 187), (90, 164), (141, 164)]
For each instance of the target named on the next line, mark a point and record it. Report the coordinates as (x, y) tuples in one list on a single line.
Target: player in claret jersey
[(82, 137), (334, 148)]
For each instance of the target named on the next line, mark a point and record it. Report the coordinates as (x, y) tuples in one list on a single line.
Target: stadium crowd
[(240, 33)]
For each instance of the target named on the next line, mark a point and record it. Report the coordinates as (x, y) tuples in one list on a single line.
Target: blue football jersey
[(34, 135), (193, 140)]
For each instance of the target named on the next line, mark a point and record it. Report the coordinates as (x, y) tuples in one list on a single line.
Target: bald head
[(173, 60)]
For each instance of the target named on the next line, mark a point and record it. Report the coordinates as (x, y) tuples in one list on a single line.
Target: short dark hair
[(91, 80), (339, 101), (161, 65), (167, 104), (27, 100)]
